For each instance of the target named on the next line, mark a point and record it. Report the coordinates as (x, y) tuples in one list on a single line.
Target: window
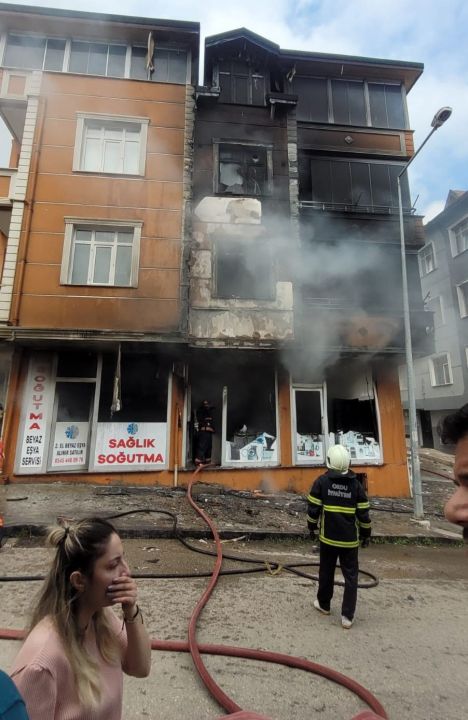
[(34, 53), (459, 237), (108, 145), (462, 292), (101, 254), (440, 370), (349, 102), (241, 82), (436, 306), (386, 106), (170, 66), (97, 59), (312, 102), (243, 269), (426, 260), (242, 169), (352, 185)]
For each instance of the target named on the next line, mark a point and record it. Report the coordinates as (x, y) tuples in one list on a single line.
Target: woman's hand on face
[(123, 590)]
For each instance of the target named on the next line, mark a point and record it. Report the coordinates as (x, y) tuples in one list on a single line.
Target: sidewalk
[(30, 509)]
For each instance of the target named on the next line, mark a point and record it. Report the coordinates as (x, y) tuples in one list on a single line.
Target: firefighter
[(338, 503), (204, 437)]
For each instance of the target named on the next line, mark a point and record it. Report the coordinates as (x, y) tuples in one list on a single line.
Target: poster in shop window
[(130, 446), (70, 445)]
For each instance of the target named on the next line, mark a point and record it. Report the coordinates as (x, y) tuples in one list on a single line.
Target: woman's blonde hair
[(78, 546)]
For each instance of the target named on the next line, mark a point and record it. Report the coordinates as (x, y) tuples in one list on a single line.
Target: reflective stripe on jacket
[(340, 503)]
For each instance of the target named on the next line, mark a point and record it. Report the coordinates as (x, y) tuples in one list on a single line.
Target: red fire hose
[(197, 649)]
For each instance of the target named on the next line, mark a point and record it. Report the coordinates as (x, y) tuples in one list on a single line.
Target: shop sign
[(130, 446), (36, 410), (70, 445)]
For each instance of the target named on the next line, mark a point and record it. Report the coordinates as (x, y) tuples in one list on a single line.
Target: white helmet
[(338, 459)]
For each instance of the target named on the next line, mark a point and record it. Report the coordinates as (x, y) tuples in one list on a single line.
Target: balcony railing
[(353, 207)]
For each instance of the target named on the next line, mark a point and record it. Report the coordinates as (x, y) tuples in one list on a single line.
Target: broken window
[(243, 269), (352, 412), (242, 391), (249, 407), (243, 169), (308, 431), (141, 390)]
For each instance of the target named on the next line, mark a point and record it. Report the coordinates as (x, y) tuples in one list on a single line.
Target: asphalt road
[(409, 644)]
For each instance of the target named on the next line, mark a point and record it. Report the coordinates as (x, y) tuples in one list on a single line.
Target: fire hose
[(196, 649)]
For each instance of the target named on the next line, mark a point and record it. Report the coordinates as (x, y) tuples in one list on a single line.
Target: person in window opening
[(338, 505), (454, 430), (72, 662), (204, 436)]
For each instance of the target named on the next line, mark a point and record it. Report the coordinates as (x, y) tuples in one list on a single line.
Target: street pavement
[(28, 509)]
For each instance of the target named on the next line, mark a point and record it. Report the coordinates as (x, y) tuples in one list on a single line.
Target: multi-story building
[(236, 241), (95, 224), (441, 378)]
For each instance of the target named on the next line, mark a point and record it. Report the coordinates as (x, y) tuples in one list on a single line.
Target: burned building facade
[(167, 243)]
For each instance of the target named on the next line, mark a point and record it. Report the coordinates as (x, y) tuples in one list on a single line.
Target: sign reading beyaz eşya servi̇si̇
[(130, 446), (36, 410)]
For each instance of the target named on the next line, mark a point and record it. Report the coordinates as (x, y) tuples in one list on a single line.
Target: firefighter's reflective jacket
[(340, 503)]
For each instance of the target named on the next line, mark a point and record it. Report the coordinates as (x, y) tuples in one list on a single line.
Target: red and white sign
[(130, 446)]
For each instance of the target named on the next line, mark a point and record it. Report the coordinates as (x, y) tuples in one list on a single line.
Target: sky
[(424, 31)]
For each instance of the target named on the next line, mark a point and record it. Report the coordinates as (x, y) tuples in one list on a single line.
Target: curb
[(149, 532)]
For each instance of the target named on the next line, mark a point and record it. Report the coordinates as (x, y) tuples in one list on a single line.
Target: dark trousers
[(349, 564), (204, 443)]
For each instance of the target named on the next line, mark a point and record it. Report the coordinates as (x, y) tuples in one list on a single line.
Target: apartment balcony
[(367, 223), (338, 327)]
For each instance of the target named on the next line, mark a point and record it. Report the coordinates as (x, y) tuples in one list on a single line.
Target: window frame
[(267, 147), (73, 224), (373, 186), (367, 101), (453, 236), (240, 246), (127, 74), (422, 254), (462, 300), (432, 370), (81, 120), (440, 301)]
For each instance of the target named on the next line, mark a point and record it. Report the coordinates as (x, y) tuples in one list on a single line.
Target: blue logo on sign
[(72, 432), (132, 429)]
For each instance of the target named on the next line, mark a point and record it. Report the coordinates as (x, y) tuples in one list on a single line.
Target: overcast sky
[(433, 33)]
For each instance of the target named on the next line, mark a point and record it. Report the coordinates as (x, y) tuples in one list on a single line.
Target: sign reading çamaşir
[(130, 446), (70, 445), (36, 412)]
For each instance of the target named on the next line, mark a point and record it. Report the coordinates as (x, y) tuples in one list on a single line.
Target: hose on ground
[(196, 649)]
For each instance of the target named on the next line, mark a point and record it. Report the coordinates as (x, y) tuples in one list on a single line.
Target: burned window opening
[(143, 390), (309, 439), (243, 169), (352, 413), (243, 269), (246, 394)]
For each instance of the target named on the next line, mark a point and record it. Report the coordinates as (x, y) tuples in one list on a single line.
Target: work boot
[(318, 607)]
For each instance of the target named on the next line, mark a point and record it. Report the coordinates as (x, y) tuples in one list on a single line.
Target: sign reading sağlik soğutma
[(130, 446), (36, 415)]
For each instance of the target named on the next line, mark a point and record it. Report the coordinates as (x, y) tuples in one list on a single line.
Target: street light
[(439, 118)]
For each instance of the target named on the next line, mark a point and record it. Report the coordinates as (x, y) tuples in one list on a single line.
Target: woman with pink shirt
[(71, 664)]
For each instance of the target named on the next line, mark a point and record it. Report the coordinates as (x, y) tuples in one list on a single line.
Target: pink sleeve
[(39, 691), (118, 626)]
